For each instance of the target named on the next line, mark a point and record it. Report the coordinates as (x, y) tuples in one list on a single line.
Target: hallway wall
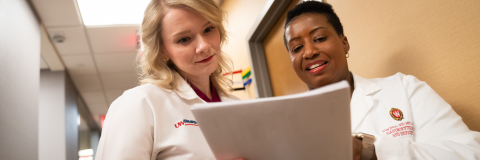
[(58, 117), (19, 81), (241, 16), (51, 116)]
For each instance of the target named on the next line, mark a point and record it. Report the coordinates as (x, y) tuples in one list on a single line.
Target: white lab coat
[(430, 128), (147, 122)]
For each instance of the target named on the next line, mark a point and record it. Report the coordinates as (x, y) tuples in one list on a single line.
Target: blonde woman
[(181, 62)]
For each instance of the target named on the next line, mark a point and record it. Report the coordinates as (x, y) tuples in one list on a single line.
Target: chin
[(318, 82), (209, 71)]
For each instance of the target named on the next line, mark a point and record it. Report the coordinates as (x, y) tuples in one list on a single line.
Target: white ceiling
[(48, 53), (76, 41), (58, 12), (43, 64), (113, 39)]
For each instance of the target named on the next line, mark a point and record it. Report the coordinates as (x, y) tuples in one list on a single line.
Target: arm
[(439, 133), (128, 129)]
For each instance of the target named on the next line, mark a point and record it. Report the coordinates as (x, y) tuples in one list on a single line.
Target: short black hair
[(314, 7)]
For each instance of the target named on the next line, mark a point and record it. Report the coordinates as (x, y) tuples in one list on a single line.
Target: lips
[(205, 60), (316, 66)]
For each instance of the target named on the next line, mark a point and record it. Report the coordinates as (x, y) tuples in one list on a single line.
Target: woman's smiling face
[(318, 54), (191, 42)]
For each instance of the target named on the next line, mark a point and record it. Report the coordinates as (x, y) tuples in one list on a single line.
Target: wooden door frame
[(271, 13), (269, 16)]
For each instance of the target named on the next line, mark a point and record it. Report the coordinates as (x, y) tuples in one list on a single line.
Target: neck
[(350, 81), (201, 82)]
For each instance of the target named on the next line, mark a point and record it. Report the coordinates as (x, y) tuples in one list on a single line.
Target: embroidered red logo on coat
[(186, 122), (396, 114), (400, 129)]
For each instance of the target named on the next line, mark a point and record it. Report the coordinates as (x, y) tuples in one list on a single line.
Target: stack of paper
[(310, 125)]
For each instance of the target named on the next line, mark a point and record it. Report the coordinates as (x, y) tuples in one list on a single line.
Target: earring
[(348, 55), (165, 59)]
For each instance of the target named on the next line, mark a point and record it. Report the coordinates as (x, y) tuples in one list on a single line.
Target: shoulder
[(397, 79), (411, 82), (132, 99), (228, 97), (393, 78), (394, 84), (151, 89), (145, 91), (401, 83), (141, 97), (233, 97)]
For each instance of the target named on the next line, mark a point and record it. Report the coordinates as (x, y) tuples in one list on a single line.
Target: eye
[(183, 40), (321, 39), (297, 49), (209, 29)]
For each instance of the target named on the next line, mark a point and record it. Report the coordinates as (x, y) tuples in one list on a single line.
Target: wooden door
[(283, 79)]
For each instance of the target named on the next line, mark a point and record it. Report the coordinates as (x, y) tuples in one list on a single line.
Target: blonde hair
[(162, 73)]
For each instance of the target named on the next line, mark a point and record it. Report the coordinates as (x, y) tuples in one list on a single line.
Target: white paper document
[(310, 125)]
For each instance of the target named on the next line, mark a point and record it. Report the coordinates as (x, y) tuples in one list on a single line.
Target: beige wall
[(436, 41), (242, 14)]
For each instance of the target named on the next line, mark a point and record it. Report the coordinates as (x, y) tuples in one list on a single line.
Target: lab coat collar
[(366, 86), (362, 99), (184, 89), (186, 92)]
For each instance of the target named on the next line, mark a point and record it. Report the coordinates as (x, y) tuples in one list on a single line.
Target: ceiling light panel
[(112, 12), (113, 39)]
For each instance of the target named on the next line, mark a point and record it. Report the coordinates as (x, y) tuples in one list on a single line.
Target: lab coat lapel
[(184, 90), (362, 99)]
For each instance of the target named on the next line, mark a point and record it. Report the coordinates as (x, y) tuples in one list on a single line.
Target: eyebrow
[(311, 32), (206, 24), (183, 32)]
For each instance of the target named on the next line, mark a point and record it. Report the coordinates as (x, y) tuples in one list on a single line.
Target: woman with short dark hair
[(398, 117)]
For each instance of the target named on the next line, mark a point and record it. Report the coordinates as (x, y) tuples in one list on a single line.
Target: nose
[(202, 45), (310, 51)]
